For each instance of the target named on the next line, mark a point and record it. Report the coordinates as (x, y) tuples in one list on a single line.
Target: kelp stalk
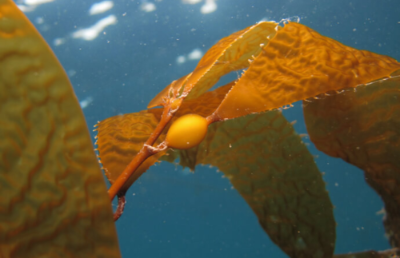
[(147, 150)]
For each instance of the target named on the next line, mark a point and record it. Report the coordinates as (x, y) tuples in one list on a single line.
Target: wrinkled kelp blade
[(363, 128), (299, 63), (53, 199), (229, 54), (272, 169), (120, 138)]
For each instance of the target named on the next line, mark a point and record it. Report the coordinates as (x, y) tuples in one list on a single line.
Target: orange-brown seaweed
[(361, 126), (51, 185), (299, 63), (260, 153), (46, 150)]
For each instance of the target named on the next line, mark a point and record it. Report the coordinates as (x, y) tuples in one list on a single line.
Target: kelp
[(251, 142), (361, 126), (51, 185), (298, 63), (229, 54), (281, 184)]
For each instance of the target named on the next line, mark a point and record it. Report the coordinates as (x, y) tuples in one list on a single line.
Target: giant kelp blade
[(229, 54), (363, 128), (121, 137), (53, 199), (268, 164), (299, 63)]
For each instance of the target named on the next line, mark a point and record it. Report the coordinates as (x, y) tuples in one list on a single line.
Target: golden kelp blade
[(363, 128), (120, 138), (229, 54), (53, 199), (299, 63), (272, 169)]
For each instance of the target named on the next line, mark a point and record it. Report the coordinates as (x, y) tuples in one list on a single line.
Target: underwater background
[(120, 55)]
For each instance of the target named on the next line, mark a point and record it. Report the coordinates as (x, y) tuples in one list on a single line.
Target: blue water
[(173, 213)]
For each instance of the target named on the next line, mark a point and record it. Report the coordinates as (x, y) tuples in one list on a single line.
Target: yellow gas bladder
[(187, 132)]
